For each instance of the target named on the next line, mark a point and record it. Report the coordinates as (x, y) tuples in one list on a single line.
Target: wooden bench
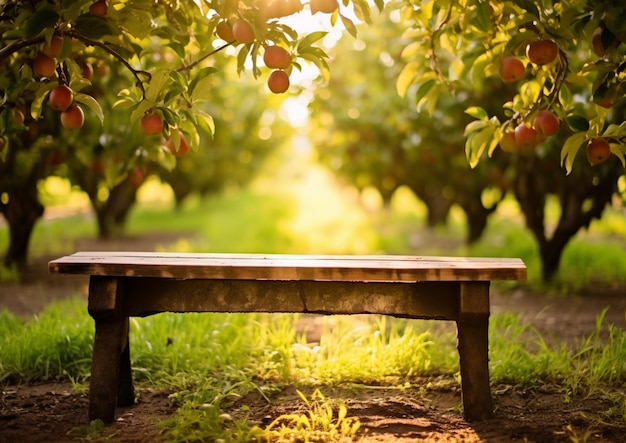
[(125, 284)]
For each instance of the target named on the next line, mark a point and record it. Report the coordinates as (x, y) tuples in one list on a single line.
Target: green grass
[(55, 345), (211, 360)]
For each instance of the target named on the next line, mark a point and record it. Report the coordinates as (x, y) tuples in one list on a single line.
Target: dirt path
[(54, 413)]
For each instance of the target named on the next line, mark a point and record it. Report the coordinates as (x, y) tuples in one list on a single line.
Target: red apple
[(73, 117), (598, 151), (86, 70), (183, 147), (54, 47), (511, 69), (18, 117), (603, 41), (99, 8), (276, 57), (278, 82), (508, 143), (542, 52), (323, 6), (526, 137), (60, 98), (546, 123), (151, 124), (225, 31), (44, 66), (243, 31), (136, 177), (97, 165)]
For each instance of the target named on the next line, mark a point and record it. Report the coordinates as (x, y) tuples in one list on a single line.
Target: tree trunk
[(21, 210), (477, 216), (437, 205), (583, 195), (112, 213)]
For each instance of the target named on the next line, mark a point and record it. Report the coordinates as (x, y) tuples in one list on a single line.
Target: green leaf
[(94, 27), (570, 149), (514, 43), (91, 103), (204, 122), (40, 20), (201, 89), (201, 75), (241, 57), (474, 126), (477, 112), (140, 110), (173, 93), (321, 64), (406, 77), (477, 142), (617, 151), (577, 123), (311, 38), (362, 11), (349, 24), (483, 16), (423, 91), (157, 84), (40, 96)]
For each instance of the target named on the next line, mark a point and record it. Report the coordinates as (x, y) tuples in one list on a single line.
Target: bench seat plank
[(365, 268)]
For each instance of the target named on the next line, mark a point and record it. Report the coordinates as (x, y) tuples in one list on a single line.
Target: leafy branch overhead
[(563, 65), (166, 55)]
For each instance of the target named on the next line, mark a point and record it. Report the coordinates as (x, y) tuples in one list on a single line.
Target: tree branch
[(204, 57), (136, 72), (16, 45)]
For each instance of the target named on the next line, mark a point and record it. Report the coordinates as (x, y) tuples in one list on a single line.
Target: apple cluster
[(275, 57), (152, 124), (61, 97), (525, 137)]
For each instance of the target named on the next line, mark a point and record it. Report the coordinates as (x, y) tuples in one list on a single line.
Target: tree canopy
[(564, 59)]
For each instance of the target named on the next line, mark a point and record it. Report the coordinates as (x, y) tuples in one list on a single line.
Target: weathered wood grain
[(290, 267)]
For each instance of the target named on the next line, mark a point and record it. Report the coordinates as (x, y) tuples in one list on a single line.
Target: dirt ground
[(53, 412)]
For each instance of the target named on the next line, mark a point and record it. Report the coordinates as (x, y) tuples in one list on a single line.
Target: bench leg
[(473, 346), (111, 380)]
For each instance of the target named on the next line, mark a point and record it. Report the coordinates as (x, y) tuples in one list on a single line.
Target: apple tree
[(166, 50), (564, 63)]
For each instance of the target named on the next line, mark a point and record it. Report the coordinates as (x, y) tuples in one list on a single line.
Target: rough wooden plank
[(291, 267), (415, 300)]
